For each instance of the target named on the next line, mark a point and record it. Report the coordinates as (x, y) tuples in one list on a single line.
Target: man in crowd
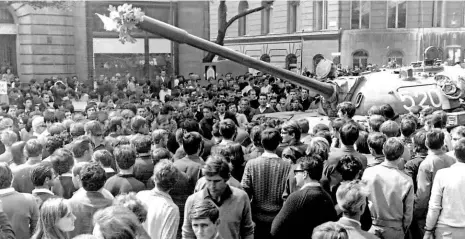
[(233, 204), (264, 181), (392, 217)]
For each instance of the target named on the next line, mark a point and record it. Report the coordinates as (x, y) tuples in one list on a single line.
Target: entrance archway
[(8, 31)]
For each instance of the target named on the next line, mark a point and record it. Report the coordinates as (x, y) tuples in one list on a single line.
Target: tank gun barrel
[(181, 36)]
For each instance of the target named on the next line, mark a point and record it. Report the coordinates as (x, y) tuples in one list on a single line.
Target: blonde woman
[(55, 220)]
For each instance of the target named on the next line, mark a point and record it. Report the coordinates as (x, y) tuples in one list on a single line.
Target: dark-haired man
[(89, 199), (205, 218), (124, 181), (233, 204), (191, 164), (268, 172), (348, 134), (436, 159), (42, 176), (446, 205), (390, 217), (294, 220)]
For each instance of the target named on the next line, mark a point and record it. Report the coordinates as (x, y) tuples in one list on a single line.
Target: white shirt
[(265, 89), (163, 94), (446, 204), (162, 214)]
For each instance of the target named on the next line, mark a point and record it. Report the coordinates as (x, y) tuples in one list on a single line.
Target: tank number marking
[(421, 98)]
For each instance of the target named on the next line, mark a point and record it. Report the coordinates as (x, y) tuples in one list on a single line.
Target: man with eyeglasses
[(307, 208)]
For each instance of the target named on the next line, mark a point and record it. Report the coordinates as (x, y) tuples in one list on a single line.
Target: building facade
[(46, 42), (292, 34)]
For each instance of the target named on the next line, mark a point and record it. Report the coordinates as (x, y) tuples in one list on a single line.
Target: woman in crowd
[(55, 220)]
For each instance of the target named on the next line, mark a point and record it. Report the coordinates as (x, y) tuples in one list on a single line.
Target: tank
[(426, 83)]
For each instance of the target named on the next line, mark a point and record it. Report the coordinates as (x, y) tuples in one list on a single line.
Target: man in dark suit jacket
[(262, 108)]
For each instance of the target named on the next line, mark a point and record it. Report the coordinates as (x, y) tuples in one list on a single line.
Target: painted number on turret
[(423, 95)]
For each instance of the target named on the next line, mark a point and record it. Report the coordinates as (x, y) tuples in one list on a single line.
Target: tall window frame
[(396, 13), (292, 16), (320, 15), (266, 20), (360, 14), (242, 22)]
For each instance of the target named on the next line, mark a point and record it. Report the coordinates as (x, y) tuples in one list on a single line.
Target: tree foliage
[(36, 5), (224, 24)]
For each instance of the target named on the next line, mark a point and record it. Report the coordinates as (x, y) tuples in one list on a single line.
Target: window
[(266, 18), (360, 59), (291, 61), (265, 58), (437, 13), (5, 16), (395, 57), (360, 16), (454, 54), (320, 15), (243, 6), (397, 13), (292, 16)]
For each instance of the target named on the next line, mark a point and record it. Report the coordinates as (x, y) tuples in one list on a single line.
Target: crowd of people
[(171, 158)]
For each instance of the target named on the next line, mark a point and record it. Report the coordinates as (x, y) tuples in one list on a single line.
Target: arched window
[(5, 16), (243, 6), (396, 56), (360, 59), (291, 61), (265, 58), (266, 19)]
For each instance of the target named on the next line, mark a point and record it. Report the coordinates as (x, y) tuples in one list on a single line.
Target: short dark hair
[(459, 150), (349, 166), (191, 142), (92, 177), (227, 128), (204, 209), (190, 125), (393, 149), (104, 157), (312, 165), (434, 139), (349, 133), (40, 173), (80, 146), (387, 111), (407, 127), (137, 122), (376, 141), (125, 156), (62, 161), (142, 143), (347, 107), (292, 127), (271, 138), (361, 143), (93, 128)]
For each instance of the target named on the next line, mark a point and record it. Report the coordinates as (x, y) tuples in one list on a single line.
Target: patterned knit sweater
[(264, 181)]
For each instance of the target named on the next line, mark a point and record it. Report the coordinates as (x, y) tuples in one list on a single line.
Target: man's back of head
[(390, 129), (434, 139), (349, 133), (33, 148), (271, 138), (192, 143), (92, 177), (227, 129), (393, 149)]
